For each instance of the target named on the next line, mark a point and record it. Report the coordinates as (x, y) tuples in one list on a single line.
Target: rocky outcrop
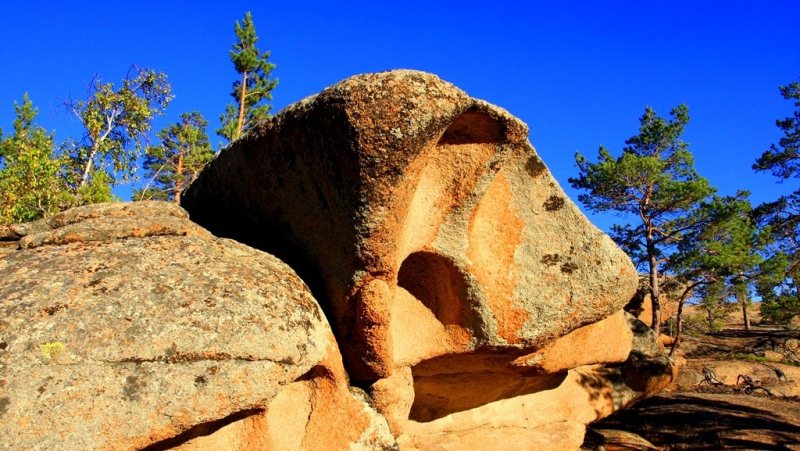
[(422, 219), (451, 406), (125, 326), (472, 304), (794, 323), (465, 289)]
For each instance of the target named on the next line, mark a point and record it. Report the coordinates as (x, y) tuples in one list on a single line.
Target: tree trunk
[(741, 293), (655, 291), (87, 168), (240, 122), (679, 317), (745, 317), (678, 328), (176, 188)]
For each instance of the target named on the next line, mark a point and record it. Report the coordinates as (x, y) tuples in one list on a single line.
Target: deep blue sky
[(579, 73)]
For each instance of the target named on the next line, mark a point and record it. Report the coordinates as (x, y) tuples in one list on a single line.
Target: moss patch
[(534, 166)]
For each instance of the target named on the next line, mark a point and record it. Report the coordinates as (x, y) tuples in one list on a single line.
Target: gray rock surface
[(122, 325), (645, 341)]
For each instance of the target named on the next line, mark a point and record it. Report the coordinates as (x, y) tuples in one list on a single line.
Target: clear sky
[(578, 73)]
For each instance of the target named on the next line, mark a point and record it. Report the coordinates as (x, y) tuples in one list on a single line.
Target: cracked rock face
[(125, 325)]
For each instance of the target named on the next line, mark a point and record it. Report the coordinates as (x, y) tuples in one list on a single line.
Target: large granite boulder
[(467, 292), (126, 326), (422, 219)]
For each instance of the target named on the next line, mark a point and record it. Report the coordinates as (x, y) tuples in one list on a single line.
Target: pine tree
[(778, 282), (654, 181), (777, 286), (783, 159), (115, 123), (724, 249), (173, 165), (253, 91), (31, 186)]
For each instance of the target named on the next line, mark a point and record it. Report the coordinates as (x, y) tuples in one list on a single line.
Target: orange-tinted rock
[(668, 305), (460, 394), (562, 435), (606, 341), (464, 286), (468, 294), (666, 340), (393, 397), (578, 397), (315, 412), (392, 189)]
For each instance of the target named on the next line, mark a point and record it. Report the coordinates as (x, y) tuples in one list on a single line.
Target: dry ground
[(694, 415)]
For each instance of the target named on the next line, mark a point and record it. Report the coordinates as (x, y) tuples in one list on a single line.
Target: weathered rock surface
[(453, 401), (607, 341), (422, 219), (464, 287), (473, 302), (563, 435), (126, 326)]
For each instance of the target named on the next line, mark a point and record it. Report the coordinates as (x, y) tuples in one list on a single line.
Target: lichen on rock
[(462, 283)]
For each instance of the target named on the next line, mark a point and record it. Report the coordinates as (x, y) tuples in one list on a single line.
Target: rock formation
[(472, 305), (458, 276), (794, 322), (126, 326), (406, 204)]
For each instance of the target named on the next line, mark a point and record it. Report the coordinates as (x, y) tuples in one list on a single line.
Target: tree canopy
[(777, 285), (783, 159), (31, 186), (722, 253), (654, 181), (115, 121), (253, 91), (171, 166)]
